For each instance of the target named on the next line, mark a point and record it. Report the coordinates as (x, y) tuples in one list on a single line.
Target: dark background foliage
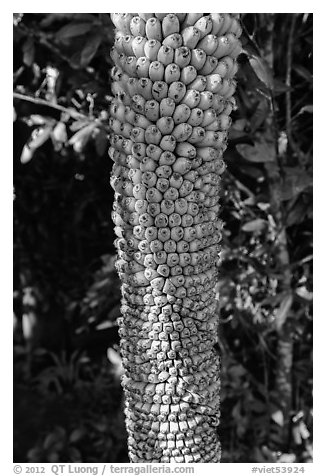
[(67, 397)]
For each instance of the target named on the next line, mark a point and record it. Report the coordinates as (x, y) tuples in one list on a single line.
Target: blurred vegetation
[(67, 398)]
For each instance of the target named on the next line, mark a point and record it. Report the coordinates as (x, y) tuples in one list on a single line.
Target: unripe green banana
[(173, 85)]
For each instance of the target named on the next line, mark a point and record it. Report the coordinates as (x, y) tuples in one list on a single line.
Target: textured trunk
[(173, 86)]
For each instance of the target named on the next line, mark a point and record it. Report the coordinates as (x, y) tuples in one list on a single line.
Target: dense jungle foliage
[(67, 397)]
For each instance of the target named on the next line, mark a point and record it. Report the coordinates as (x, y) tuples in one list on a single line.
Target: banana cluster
[(173, 85)]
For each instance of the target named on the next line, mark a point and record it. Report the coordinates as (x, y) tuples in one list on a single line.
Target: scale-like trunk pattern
[(173, 86)]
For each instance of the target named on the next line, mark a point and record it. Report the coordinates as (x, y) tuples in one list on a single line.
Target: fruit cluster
[(173, 92)]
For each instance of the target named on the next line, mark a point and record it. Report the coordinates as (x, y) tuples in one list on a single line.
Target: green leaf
[(90, 50), (260, 152), (255, 225), (73, 29)]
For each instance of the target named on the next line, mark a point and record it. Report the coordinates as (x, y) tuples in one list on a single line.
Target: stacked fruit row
[(173, 92)]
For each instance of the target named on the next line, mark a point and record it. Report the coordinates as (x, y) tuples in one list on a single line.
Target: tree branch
[(43, 102)]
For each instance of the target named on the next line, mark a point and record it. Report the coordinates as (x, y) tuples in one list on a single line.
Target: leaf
[(239, 125), (74, 455), (73, 29), (255, 225), (283, 310), (90, 49), (77, 435), (259, 115), (55, 440), (53, 17), (260, 152), (28, 51), (297, 213), (303, 72), (35, 455), (261, 70), (296, 181)]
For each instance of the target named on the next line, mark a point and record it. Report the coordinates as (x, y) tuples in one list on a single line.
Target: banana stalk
[(173, 85)]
